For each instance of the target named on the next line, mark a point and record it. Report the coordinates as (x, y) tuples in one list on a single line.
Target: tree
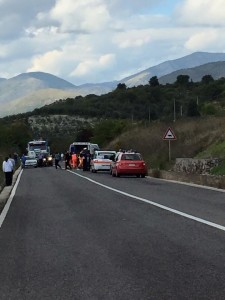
[(121, 86), (183, 79), (154, 81), (206, 79), (84, 134), (192, 109), (106, 130)]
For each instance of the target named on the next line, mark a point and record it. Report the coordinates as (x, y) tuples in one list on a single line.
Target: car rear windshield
[(131, 156), (105, 155)]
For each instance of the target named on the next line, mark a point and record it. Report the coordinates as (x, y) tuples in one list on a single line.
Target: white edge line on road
[(9, 201), (177, 212), (190, 184)]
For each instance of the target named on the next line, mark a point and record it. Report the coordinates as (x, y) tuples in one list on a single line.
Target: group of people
[(8, 167), (74, 161)]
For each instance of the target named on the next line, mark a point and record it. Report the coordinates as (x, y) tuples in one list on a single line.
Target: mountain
[(216, 70), (189, 61), (28, 91), (26, 83)]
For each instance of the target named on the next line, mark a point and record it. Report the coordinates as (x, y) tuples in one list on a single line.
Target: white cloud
[(90, 66), (202, 12), (203, 39), (46, 62), (81, 16), (98, 40)]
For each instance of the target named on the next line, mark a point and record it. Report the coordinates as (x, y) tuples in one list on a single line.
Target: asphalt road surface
[(80, 235)]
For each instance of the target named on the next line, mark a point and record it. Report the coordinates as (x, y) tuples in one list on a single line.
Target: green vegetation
[(219, 170), (134, 118), (150, 102), (213, 151)]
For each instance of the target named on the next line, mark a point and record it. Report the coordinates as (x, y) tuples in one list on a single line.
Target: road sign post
[(169, 136)]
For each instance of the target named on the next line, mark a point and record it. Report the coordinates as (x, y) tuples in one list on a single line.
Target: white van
[(77, 147)]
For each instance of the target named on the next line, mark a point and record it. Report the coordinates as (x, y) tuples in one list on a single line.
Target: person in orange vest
[(74, 160)]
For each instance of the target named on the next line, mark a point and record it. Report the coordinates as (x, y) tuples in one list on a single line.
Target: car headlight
[(50, 158), (44, 159)]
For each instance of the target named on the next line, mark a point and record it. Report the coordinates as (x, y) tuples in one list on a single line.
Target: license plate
[(131, 165)]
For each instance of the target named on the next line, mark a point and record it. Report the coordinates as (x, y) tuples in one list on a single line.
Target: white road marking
[(9, 201), (191, 184), (177, 212)]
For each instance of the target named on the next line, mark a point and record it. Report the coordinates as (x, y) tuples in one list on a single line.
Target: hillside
[(202, 138), (27, 91), (216, 70), (167, 67), (128, 118)]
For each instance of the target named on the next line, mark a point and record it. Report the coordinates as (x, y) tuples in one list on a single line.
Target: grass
[(218, 170), (214, 150), (196, 138), (2, 176)]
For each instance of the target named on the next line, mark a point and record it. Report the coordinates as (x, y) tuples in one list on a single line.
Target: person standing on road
[(57, 160), (86, 160), (74, 160), (7, 168), (40, 160), (23, 160), (12, 161), (67, 160)]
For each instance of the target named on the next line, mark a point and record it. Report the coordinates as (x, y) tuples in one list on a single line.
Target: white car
[(30, 162), (102, 160)]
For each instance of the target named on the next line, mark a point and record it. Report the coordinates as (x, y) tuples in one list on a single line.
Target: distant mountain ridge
[(28, 91), (167, 67), (215, 69)]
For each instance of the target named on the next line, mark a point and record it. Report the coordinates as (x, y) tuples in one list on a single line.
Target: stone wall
[(194, 166), (201, 179), (192, 171)]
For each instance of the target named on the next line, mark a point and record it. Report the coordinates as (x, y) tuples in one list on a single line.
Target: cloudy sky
[(91, 41)]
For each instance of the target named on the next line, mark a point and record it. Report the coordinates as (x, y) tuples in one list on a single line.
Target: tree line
[(121, 108), (153, 101)]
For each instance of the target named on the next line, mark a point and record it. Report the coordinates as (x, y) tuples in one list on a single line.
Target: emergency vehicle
[(77, 147)]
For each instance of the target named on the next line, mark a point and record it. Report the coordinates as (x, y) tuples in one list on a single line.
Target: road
[(79, 235)]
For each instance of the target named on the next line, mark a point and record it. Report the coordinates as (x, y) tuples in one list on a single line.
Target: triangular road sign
[(169, 135)]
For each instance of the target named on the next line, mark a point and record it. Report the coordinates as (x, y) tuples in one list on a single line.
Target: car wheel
[(142, 175), (138, 175)]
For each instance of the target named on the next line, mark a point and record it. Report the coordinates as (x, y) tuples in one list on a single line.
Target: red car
[(128, 163)]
